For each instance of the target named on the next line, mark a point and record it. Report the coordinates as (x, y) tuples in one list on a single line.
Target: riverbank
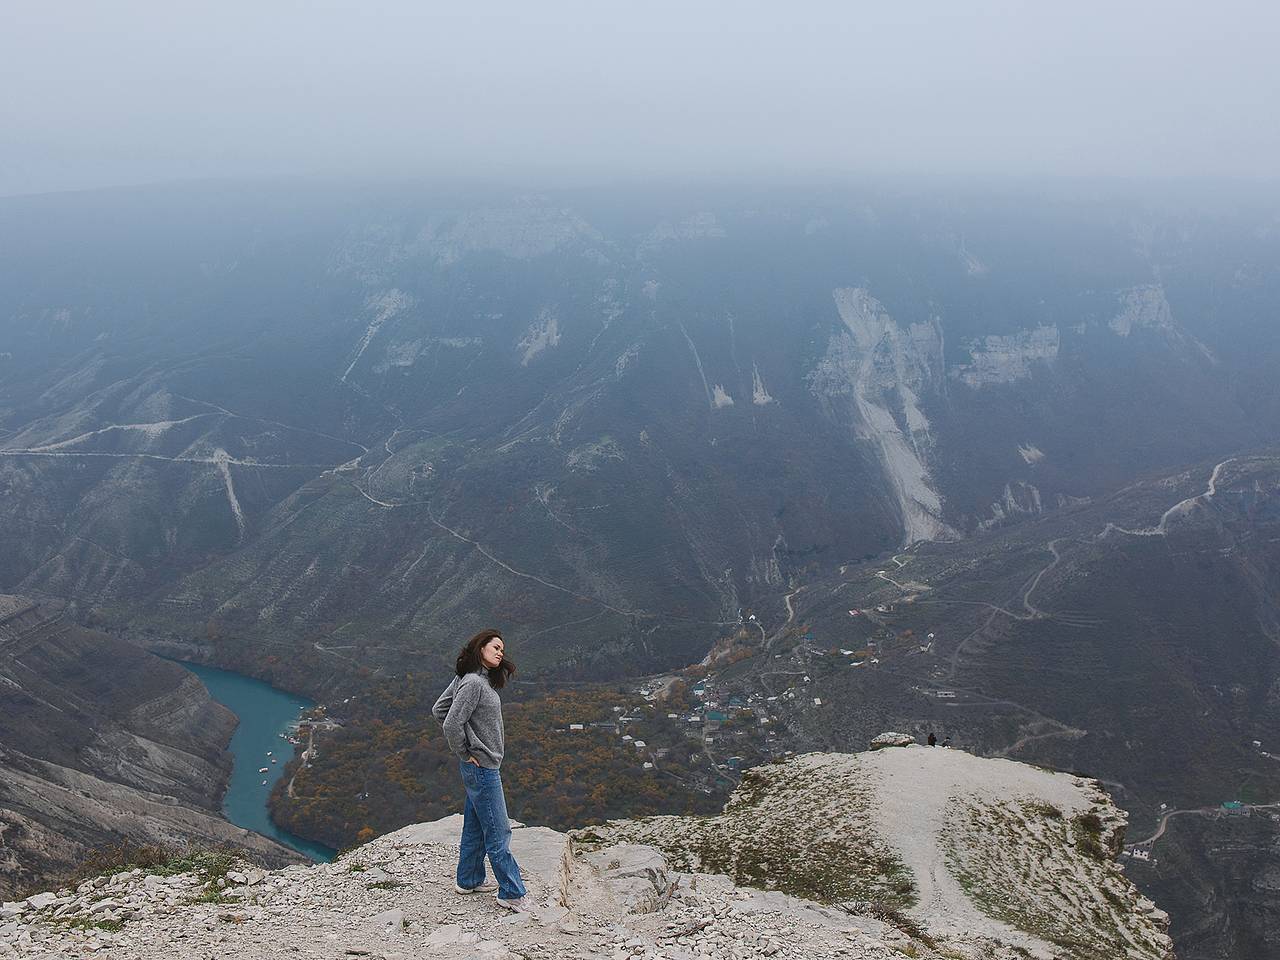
[(259, 751)]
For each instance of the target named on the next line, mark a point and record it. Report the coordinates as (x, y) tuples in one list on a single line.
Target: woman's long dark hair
[(469, 659)]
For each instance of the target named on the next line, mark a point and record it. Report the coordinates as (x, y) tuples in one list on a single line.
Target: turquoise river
[(265, 713)]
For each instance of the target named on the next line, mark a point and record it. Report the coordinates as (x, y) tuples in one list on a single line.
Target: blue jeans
[(486, 829)]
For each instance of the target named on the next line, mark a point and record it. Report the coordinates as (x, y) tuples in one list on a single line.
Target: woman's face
[(491, 653)]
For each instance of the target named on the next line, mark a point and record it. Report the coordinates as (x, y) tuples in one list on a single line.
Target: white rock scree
[(394, 897)]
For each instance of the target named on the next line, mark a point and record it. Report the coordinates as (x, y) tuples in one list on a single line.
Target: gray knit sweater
[(471, 712)]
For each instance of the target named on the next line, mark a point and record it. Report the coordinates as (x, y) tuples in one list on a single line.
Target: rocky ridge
[(599, 894), (100, 742), (394, 898), (975, 852)]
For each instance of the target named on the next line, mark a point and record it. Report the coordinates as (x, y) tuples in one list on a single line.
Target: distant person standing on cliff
[(471, 712)]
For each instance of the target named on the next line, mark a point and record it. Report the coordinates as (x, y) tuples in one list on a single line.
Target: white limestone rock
[(389, 921), (1008, 359), (1142, 308), (628, 877), (541, 335), (759, 395), (983, 854), (883, 740), (878, 374), (933, 824)]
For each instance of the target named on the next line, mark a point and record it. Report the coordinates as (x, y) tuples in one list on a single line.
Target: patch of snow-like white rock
[(1019, 498), (881, 371), (1030, 453), (400, 354), (1008, 359), (625, 359), (973, 266), (1145, 307), (405, 353), (222, 460), (590, 456), (541, 335), (1142, 308), (759, 395), (383, 307)]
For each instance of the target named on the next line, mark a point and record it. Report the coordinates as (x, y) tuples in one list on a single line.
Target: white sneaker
[(523, 904), (483, 888)]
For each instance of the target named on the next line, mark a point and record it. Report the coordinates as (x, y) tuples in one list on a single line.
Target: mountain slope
[(102, 742), (599, 893), (971, 848), (343, 421), (1135, 637)]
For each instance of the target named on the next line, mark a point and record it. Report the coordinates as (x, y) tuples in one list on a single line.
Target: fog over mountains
[(777, 380), (615, 422), (577, 93), (317, 433)]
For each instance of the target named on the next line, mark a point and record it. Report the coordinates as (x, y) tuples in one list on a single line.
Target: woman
[(471, 712)]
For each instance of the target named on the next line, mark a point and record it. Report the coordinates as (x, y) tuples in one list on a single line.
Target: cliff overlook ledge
[(907, 851)]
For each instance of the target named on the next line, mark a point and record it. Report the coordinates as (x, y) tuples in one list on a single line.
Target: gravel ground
[(394, 899), (912, 812)]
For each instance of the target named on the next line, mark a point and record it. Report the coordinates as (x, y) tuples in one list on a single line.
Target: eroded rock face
[(102, 741), (631, 878), (877, 374), (1142, 308), (1007, 359), (1218, 878)]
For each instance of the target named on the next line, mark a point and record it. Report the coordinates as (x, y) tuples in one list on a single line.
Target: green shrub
[(209, 863)]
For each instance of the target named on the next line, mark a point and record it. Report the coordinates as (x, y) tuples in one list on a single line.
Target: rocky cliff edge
[(908, 851)]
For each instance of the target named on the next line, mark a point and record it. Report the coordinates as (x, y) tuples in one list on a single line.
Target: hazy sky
[(96, 93)]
